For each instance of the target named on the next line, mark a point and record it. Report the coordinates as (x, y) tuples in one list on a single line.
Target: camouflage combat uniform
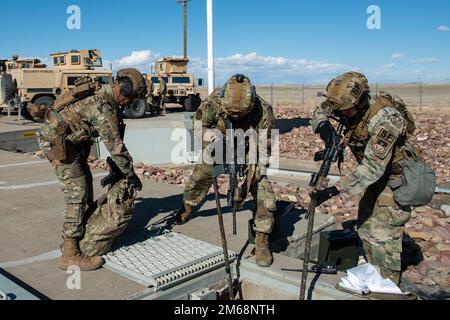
[(150, 89), (197, 188), (162, 92), (79, 124), (378, 141)]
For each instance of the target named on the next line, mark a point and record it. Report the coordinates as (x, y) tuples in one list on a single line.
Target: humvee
[(181, 86), (27, 83)]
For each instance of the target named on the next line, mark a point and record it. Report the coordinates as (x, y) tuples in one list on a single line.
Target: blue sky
[(284, 41)]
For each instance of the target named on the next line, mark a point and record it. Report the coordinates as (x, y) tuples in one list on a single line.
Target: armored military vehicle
[(29, 86), (181, 85)]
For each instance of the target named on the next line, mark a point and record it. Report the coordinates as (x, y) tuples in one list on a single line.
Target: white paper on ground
[(366, 279)]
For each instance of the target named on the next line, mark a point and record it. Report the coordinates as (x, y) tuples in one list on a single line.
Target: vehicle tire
[(136, 110), (7, 88), (44, 101)]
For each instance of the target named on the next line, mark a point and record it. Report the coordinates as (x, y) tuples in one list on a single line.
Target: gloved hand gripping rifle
[(234, 168), (319, 182)]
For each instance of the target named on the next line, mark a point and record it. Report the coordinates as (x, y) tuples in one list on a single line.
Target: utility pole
[(210, 26), (184, 2), (420, 92), (303, 95), (271, 94)]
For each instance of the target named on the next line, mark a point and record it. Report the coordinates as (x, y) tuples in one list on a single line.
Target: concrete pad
[(18, 135), (98, 285), (274, 283), (31, 223)]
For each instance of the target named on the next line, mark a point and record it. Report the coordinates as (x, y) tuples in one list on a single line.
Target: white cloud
[(398, 56), (254, 62), (426, 60), (388, 66), (267, 69), (261, 69), (443, 28), (137, 59)]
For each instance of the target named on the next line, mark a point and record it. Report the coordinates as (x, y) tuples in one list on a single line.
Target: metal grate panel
[(165, 260)]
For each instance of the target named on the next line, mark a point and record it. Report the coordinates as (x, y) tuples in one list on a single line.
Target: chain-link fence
[(418, 96)]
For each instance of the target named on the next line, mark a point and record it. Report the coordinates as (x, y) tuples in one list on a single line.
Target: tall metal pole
[(211, 75), (185, 29)]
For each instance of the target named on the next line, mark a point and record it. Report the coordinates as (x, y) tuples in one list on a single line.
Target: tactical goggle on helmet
[(134, 85), (238, 96), (346, 91)]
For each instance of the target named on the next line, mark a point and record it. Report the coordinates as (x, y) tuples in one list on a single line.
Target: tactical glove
[(326, 132), (325, 195), (135, 182)]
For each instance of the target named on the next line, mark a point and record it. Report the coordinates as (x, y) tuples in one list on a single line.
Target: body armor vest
[(357, 137)]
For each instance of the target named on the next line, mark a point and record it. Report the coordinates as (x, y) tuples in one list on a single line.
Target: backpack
[(84, 87)]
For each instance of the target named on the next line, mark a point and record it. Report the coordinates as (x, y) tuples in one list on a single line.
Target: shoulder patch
[(382, 143), (386, 136)]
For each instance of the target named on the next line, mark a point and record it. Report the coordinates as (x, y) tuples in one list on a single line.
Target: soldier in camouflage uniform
[(376, 132), (78, 117), (162, 92), (149, 97), (239, 103)]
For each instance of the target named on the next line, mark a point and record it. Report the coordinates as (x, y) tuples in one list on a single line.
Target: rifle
[(319, 181), (224, 240), (235, 170)]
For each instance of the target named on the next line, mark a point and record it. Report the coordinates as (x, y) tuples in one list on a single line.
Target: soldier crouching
[(377, 132), (78, 117), (238, 103)]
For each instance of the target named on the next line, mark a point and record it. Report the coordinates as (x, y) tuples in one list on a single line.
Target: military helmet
[(347, 90), (134, 83), (238, 96)]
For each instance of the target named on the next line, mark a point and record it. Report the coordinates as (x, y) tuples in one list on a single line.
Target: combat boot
[(73, 257), (184, 214), (263, 255)]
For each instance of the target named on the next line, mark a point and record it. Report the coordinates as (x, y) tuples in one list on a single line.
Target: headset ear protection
[(253, 93), (222, 93), (126, 88)]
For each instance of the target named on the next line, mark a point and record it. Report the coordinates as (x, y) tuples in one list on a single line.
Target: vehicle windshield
[(181, 80), (156, 80), (98, 63)]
